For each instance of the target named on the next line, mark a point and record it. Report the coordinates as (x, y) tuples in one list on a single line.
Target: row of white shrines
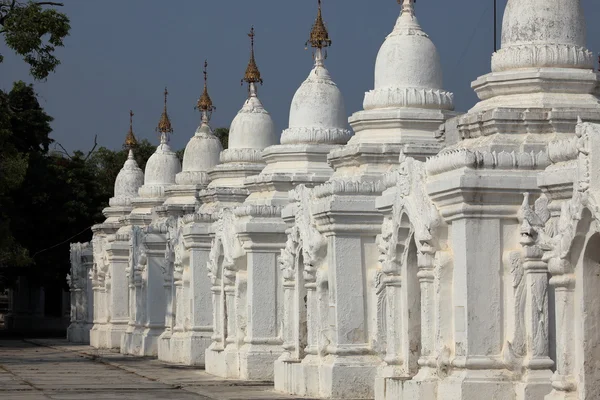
[(421, 254)]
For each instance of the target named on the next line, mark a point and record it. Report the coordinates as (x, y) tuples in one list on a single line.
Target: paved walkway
[(55, 369)]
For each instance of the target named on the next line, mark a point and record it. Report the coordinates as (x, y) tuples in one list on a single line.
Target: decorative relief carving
[(241, 156), (555, 236), (413, 201), (459, 158), (348, 187), (137, 257), (255, 210), (392, 97), (304, 237), (175, 250), (542, 55), (301, 135), (226, 248)]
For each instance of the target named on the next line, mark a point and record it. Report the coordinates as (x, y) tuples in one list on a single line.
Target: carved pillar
[(426, 276), (563, 280), (536, 320)]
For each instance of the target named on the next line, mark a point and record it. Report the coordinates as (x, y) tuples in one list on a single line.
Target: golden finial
[(164, 125), (205, 104), (130, 140), (252, 73), (319, 37)]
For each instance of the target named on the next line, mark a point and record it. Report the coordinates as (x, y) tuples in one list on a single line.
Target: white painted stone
[(334, 346), (147, 273), (247, 294), (433, 256)]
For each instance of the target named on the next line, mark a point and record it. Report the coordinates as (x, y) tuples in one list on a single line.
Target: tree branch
[(93, 148), (64, 151), (48, 3)]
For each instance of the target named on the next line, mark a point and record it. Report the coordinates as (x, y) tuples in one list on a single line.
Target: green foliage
[(34, 32), (24, 140), (49, 199), (223, 135)]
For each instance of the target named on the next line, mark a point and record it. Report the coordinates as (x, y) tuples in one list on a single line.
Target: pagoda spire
[(319, 37), (164, 125), (130, 140), (205, 104), (252, 75)]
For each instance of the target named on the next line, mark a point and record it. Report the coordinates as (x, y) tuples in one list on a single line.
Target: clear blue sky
[(121, 54)]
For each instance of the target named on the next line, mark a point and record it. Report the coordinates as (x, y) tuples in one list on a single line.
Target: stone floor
[(55, 369)]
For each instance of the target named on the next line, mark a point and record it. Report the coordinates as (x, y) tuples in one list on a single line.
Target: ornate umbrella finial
[(205, 104), (319, 36), (252, 75), (164, 125), (130, 140)]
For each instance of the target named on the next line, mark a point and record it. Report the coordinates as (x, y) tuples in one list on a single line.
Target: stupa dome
[(130, 177), (318, 102), (128, 182), (408, 58), (543, 33), (162, 166), (202, 151), (252, 127), (408, 71)]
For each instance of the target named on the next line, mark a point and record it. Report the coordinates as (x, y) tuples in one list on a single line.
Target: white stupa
[(161, 169), (317, 125), (543, 61), (127, 184), (200, 156), (252, 130), (405, 108)]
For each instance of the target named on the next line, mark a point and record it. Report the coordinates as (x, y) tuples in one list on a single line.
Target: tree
[(34, 32), (24, 141), (13, 167), (223, 135)]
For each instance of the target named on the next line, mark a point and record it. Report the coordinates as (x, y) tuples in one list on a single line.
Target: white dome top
[(128, 181), (318, 102), (252, 127), (408, 58), (318, 112), (202, 151), (162, 166), (543, 33), (543, 22), (408, 71)]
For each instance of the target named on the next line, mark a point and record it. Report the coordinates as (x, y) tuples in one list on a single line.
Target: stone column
[(346, 216), (262, 237), (154, 298), (564, 380), (118, 259), (262, 344)]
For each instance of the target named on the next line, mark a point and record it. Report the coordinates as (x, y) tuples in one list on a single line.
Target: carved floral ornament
[(226, 248), (303, 239)]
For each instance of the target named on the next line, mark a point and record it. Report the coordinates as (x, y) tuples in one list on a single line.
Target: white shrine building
[(406, 251)]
